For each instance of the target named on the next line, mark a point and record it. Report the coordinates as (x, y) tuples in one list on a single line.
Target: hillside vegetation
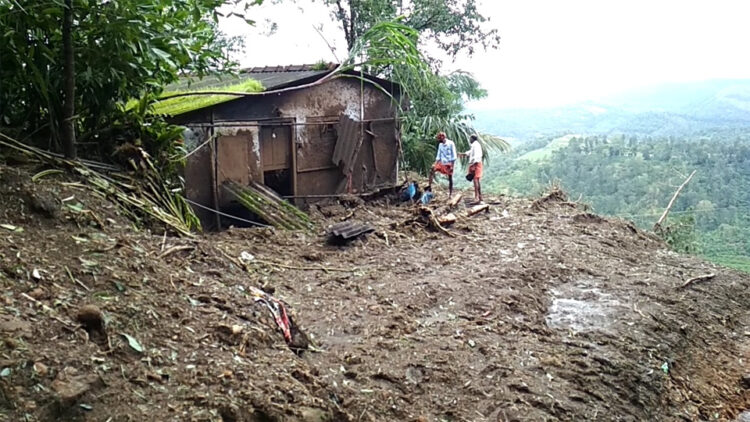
[(628, 164)]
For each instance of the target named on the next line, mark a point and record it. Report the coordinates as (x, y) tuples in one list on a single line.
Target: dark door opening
[(276, 158)]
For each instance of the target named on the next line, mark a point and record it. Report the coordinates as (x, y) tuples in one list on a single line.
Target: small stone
[(309, 414), (41, 369), (236, 329), (38, 293), (9, 324), (70, 386), (472, 343)]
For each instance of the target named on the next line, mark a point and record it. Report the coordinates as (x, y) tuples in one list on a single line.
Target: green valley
[(633, 173)]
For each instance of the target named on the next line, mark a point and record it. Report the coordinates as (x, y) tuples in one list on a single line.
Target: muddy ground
[(536, 310)]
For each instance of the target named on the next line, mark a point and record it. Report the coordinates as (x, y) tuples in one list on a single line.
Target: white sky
[(552, 52)]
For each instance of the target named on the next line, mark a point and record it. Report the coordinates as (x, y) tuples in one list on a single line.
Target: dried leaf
[(133, 343), (12, 228)]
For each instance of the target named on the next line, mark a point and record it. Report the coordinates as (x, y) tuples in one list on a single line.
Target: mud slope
[(533, 311)]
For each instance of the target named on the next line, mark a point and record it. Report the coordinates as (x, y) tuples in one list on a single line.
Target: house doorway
[(276, 158)]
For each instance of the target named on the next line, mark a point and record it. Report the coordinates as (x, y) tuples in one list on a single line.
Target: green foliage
[(169, 105), (453, 25), (679, 233), (123, 49), (435, 102)]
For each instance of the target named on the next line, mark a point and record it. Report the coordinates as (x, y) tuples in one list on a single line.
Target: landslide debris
[(535, 310)]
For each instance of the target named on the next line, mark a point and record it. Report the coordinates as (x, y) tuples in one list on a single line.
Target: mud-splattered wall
[(287, 140)]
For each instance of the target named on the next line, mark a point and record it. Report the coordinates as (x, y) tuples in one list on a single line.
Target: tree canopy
[(122, 50), (436, 101), (454, 25)]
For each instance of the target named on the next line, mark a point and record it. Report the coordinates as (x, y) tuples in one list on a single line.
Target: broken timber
[(433, 221), (476, 209), (455, 200), (697, 279)]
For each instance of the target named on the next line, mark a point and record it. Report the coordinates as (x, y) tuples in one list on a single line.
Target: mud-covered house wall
[(287, 142)]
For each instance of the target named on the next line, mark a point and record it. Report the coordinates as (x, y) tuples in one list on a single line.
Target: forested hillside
[(627, 159), (635, 176)]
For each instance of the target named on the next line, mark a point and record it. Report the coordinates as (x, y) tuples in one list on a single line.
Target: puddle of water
[(581, 307)]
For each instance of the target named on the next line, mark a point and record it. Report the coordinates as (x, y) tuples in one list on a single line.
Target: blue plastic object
[(410, 192)]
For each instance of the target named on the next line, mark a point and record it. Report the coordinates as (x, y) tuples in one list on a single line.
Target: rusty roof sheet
[(348, 145)]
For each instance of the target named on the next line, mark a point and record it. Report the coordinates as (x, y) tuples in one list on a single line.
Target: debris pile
[(271, 208)]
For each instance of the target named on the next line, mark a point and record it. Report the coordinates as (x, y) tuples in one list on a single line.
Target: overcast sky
[(552, 52)]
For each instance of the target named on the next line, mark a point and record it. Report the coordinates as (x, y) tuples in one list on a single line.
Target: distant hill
[(667, 109)]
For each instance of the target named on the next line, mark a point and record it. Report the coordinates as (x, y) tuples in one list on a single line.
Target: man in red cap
[(444, 161)]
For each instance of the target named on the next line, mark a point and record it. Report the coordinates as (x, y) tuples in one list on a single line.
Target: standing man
[(475, 167), (446, 157)]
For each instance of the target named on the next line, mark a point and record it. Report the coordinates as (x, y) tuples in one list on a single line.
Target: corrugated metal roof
[(272, 77), (274, 80), (349, 229)]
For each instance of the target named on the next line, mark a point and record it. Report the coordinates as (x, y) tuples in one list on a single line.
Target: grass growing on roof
[(180, 105)]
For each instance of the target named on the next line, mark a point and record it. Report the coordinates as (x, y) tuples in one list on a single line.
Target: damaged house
[(306, 133)]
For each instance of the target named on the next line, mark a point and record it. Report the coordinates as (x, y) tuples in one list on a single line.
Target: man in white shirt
[(444, 161), (475, 167)]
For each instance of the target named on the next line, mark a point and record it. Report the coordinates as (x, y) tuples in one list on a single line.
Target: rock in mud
[(41, 369), (313, 415), (43, 203), (746, 380), (69, 386), (743, 417), (91, 318), (39, 294), (15, 326)]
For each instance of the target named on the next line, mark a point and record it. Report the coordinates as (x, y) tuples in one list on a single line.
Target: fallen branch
[(75, 280), (69, 325), (149, 195), (293, 267), (657, 226), (433, 221), (705, 277), (174, 249)]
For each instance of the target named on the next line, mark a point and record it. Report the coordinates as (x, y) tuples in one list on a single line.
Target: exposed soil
[(537, 310)]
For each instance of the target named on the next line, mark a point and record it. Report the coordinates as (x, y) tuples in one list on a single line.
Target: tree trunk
[(657, 226), (69, 84)]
